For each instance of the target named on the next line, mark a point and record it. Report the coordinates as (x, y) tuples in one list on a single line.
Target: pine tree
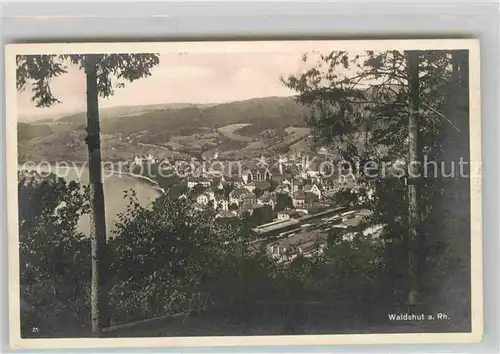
[(384, 107)]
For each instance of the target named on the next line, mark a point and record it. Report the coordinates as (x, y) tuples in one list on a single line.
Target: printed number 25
[(35, 330)]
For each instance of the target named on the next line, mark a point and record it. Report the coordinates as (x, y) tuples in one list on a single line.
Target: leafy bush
[(54, 256), (168, 258), (165, 255)]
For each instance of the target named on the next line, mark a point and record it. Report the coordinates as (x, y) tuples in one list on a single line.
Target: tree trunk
[(413, 170), (99, 305)]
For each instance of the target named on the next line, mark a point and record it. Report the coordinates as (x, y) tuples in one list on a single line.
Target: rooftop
[(301, 239), (311, 208), (198, 179), (266, 197), (238, 192), (262, 185), (275, 225), (303, 195), (352, 222), (290, 212), (308, 187), (227, 214), (249, 206)]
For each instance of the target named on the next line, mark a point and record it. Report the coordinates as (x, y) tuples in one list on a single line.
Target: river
[(114, 186)]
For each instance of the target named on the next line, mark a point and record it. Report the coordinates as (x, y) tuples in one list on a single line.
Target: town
[(292, 205)]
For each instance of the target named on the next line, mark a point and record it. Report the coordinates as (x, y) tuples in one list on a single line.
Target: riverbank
[(116, 185), (79, 167), (151, 181)]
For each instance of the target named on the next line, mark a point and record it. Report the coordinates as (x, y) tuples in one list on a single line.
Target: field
[(233, 130), (229, 131)]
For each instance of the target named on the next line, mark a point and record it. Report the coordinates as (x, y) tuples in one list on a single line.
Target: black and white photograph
[(244, 193)]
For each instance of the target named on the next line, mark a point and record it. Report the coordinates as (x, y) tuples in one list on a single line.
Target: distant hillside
[(239, 129), (178, 128), (242, 129), (45, 120), (183, 118), (123, 111), (262, 113), (27, 131)]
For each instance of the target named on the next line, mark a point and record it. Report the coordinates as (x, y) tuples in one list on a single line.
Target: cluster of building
[(307, 235), (255, 187), (231, 196), (302, 226)]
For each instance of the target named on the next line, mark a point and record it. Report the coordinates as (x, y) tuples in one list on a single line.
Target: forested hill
[(270, 112), (27, 131), (121, 111), (167, 130), (242, 129)]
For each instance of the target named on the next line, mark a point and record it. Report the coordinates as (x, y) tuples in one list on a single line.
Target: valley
[(231, 130)]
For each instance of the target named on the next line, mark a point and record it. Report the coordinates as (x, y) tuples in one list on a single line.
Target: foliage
[(27, 131), (283, 201), (368, 93), (357, 262), (168, 259), (104, 72), (258, 192), (113, 70), (164, 255), (55, 257), (261, 215)]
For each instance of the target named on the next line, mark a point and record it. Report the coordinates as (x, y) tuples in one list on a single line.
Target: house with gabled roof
[(257, 174), (263, 174), (306, 244), (311, 208), (247, 176), (301, 197), (314, 188), (287, 214), (263, 185), (236, 194), (194, 181), (267, 199), (241, 195), (249, 198), (284, 189)]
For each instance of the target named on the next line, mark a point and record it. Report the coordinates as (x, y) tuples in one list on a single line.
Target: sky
[(179, 78)]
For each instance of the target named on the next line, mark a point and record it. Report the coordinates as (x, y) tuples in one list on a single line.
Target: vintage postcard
[(244, 193)]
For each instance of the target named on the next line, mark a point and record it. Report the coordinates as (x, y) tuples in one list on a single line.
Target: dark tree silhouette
[(104, 73), (384, 106), (55, 255)]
